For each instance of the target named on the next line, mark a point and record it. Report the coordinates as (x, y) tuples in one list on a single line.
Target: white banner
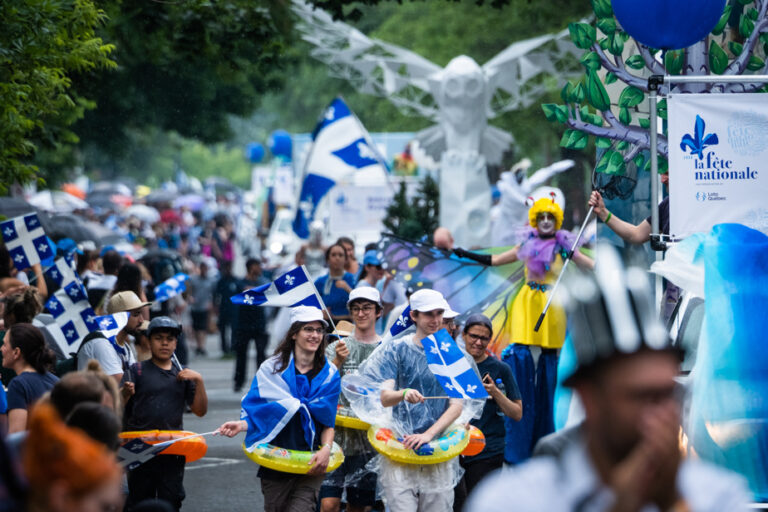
[(718, 161), (354, 208)]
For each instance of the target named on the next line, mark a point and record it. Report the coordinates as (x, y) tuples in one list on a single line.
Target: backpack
[(69, 364)]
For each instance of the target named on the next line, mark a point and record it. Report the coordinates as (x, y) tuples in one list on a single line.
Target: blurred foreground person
[(68, 471), (627, 456)]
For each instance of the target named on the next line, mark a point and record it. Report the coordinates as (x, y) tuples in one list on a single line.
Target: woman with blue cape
[(292, 405)]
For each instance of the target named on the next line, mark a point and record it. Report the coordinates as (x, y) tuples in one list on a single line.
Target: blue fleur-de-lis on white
[(699, 140), (471, 388), (289, 280), (248, 299), (445, 346)]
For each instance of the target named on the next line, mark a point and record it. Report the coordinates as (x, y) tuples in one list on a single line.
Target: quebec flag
[(341, 151), (26, 241), (171, 287), (74, 317), (452, 369), (402, 323), (110, 325), (290, 289)]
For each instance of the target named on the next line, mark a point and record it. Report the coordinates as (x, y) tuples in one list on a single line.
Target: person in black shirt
[(504, 405), (156, 392), (251, 325), (227, 286)]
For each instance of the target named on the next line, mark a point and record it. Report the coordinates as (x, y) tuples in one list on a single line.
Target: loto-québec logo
[(707, 165)]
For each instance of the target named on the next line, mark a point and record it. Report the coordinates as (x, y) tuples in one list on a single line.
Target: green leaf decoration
[(644, 123), (604, 43), (602, 142), (582, 34), (622, 146), (735, 48), (591, 61), (574, 139), (591, 118), (616, 44), (607, 26), (639, 160), (661, 108), (723, 21), (597, 96), (635, 62), (746, 26), (602, 8), (565, 92), (755, 63), (718, 59), (673, 61), (578, 93), (631, 97), (625, 116), (612, 162), (555, 113), (752, 14), (610, 78)]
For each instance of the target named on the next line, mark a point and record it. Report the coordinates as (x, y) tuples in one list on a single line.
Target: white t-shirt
[(101, 350)]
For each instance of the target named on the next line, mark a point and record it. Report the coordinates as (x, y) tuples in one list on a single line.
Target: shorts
[(358, 481), (199, 320)]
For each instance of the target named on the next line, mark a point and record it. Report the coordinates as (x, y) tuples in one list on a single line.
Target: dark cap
[(478, 319), (612, 314), (164, 323)]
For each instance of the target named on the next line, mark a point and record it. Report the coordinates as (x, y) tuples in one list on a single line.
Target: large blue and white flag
[(275, 397), (290, 289), (110, 325), (73, 315), (26, 241), (171, 287), (341, 150), (452, 369)]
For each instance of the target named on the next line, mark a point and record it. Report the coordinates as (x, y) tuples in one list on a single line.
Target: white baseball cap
[(425, 300), (307, 314), (366, 293), (448, 313)]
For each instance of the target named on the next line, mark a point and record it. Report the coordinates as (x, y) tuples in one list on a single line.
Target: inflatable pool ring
[(290, 461), (346, 418), (192, 449), (476, 442), (450, 444)]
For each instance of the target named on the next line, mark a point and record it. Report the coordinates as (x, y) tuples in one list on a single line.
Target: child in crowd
[(157, 392)]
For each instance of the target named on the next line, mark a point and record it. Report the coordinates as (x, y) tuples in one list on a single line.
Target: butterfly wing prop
[(468, 286)]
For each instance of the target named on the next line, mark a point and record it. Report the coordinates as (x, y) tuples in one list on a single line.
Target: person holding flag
[(347, 355), (424, 400), (292, 404)]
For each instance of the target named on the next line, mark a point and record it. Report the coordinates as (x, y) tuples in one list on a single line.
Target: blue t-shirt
[(3, 401), (491, 422), (25, 389), (335, 298), (406, 364)]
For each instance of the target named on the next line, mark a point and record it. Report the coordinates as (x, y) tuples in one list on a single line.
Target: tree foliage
[(737, 45), (42, 43), (416, 218)]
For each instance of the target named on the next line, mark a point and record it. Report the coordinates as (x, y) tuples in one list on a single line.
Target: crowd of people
[(61, 414)]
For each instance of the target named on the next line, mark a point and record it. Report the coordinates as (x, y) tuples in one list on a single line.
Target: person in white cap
[(298, 370), (347, 354), (449, 320)]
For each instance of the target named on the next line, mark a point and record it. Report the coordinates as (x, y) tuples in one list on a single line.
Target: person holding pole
[(533, 353)]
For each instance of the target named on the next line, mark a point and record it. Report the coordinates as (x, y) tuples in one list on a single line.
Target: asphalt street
[(224, 479)]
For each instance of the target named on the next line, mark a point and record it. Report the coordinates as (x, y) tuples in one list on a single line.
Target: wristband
[(607, 218), (404, 392), (327, 445)]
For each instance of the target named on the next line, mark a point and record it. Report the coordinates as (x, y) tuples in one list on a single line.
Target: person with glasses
[(449, 321), (115, 357), (301, 381), (503, 406), (347, 354)]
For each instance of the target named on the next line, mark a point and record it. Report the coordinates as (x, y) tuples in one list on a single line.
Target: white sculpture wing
[(542, 175), (370, 65), (521, 73)]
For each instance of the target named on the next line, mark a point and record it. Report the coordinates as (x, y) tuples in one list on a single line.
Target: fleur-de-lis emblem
[(365, 151), (471, 388), (434, 350), (699, 140), (105, 323), (54, 274), (450, 386), (70, 333), (445, 346), (330, 113), (289, 280), (401, 321), (248, 300), (19, 258), (8, 232), (42, 248)]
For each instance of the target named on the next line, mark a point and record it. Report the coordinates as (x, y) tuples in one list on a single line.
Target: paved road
[(224, 479)]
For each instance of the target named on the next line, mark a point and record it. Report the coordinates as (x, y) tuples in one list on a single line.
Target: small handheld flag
[(171, 287), (290, 289), (402, 323), (26, 241), (452, 370)]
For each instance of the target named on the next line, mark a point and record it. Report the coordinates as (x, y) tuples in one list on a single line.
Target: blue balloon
[(280, 144), (254, 152), (668, 24)]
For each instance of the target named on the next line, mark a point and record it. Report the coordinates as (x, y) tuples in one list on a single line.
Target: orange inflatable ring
[(192, 449), (476, 442)]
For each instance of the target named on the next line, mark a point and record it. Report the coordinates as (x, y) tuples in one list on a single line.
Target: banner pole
[(319, 298)]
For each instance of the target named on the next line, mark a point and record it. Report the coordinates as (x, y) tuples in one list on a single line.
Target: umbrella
[(194, 202), (143, 212), (57, 201), (72, 189), (112, 187), (13, 207), (69, 226), (108, 200), (160, 196), (170, 217)]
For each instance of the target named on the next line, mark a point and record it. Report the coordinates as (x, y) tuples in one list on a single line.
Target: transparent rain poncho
[(401, 364)]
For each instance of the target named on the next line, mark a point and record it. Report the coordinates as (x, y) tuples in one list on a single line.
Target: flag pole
[(317, 294)]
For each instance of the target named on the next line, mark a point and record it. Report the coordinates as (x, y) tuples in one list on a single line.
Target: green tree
[(414, 219), (42, 44), (738, 44)]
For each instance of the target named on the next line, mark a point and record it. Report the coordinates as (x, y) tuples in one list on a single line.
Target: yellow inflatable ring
[(450, 444), (192, 449), (290, 461), (346, 418)]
